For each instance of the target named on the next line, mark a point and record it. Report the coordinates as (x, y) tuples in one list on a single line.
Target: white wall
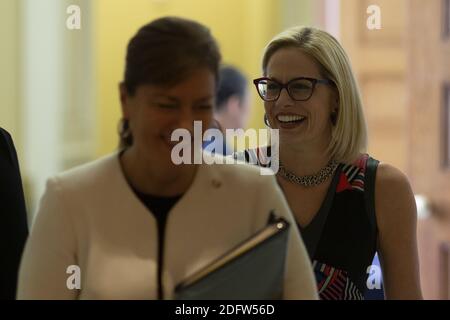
[(56, 86)]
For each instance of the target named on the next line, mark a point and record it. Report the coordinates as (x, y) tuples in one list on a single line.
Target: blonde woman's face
[(300, 123)]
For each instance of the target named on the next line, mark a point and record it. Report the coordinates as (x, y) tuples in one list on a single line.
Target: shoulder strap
[(369, 190)]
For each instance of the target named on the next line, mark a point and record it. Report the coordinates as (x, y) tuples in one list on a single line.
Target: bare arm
[(397, 221)]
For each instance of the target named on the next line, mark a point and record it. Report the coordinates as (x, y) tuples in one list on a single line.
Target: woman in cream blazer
[(94, 237), (89, 217)]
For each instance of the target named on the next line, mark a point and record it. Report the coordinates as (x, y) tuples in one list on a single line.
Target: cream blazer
[(89, 217)]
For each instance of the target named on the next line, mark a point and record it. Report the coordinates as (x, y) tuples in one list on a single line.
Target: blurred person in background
[(348, 206), (135, 223), (232, 107), (13, 217)]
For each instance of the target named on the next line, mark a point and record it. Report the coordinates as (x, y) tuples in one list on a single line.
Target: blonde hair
[(349, 134)]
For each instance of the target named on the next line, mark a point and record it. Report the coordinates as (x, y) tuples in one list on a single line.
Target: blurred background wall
[(241, 27), (59, 87)]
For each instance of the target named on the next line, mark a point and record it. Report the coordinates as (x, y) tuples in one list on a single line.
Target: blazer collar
[(206, 178)]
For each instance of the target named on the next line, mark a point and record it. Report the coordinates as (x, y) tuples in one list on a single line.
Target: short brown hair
[(165, 51)]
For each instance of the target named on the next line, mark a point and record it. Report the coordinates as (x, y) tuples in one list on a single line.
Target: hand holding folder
[(253, 270)]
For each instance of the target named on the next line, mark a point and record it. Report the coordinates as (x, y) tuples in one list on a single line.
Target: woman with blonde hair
[(347, 206)]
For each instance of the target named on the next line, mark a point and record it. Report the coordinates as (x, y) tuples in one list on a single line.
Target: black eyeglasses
[(299, 89)]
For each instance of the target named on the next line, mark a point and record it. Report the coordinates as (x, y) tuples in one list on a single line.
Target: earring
[(333, 117), (266, 120), (124, 129)]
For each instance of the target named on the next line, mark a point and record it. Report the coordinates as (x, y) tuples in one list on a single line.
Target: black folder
[(253, 270)]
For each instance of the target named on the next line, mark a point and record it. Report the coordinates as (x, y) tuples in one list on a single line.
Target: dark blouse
[(159, 207)]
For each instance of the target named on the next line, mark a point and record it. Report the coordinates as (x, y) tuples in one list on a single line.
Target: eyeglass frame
[(313, 81)]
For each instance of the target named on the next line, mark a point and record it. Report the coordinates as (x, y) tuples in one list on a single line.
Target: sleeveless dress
[(342, 237)]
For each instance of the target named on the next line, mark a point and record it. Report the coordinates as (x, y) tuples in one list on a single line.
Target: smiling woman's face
[(315, 126), (154, 112)]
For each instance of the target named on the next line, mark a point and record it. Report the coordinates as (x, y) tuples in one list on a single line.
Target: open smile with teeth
[(290, 118)]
